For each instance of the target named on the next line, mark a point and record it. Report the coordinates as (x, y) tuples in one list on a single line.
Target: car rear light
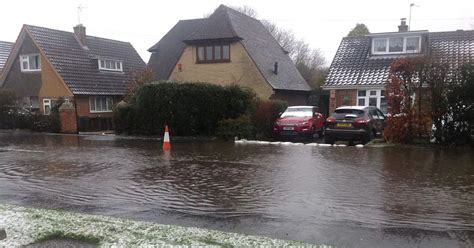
[(331, 120), (361, 120)]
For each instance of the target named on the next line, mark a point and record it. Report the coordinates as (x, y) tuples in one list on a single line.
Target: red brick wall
[(83, 108), (339, 98), (68, 120)]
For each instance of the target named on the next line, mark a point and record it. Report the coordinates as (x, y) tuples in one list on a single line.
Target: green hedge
[(188, 108), (14, 117)]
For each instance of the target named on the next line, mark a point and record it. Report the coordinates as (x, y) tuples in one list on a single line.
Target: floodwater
[(344, 196)]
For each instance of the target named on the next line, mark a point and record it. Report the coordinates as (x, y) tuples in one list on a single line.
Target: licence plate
[(288, 128), (344, 125)]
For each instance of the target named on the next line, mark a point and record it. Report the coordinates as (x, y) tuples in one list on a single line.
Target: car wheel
[(369, 136), (311, 134), (320, 134), (328, 140)]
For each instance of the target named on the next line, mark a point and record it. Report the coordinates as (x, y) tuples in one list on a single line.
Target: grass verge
[(29, 225)]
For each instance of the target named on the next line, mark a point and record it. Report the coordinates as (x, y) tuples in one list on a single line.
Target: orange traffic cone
[(166, 140)]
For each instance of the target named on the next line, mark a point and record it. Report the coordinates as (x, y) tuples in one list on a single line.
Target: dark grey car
[(354, 123)]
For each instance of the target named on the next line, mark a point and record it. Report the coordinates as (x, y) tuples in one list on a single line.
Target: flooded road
[(344, 196)]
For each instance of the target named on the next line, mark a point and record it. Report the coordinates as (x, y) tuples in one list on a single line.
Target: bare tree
[(246, 10), (285, 38)]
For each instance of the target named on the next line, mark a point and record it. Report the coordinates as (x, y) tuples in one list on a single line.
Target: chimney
[(275, 68), (80, 32), (403, 25)]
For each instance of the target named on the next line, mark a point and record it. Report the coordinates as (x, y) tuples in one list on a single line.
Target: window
[(48, 105), (413, 44), (380, 45), (213, 54), (201, 54), (30, 62), (396, 45), (374, 98), (110, 65), (100, 104)]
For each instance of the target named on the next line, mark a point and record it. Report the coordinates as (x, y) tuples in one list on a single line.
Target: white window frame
[(387, 45), (26, 58), (118, 65), (51, 103), (367, 96), (93, 104)]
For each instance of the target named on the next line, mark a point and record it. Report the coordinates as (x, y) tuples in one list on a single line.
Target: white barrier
[(258, 142)]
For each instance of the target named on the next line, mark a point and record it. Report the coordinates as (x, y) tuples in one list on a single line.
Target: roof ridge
[(194, 19), (230, 20), (240, 13), (72, 33), (453, 31)]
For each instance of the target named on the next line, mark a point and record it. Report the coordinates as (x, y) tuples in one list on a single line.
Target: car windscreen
[(342, 113), (298, 112)]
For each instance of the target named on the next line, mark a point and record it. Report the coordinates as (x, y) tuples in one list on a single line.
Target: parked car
[(354, 123), (300, 121)]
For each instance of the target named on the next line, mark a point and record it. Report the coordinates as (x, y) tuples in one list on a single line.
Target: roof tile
[(78, 66)]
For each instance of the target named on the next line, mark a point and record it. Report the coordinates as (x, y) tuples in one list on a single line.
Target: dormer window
[(213, 53), (110, 65), (396, 45), (31, 62)]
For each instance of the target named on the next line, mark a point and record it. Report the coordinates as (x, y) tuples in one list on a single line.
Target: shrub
[(454, 117), (188, 108), (241, 127), (45, 123), (266, 112), (124, 119), (408, 108), (11, 116), (7, 103)]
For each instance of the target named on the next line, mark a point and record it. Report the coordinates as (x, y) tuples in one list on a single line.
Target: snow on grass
[(28, 225)]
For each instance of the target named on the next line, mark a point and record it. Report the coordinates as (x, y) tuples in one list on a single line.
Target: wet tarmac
[(345, 196)]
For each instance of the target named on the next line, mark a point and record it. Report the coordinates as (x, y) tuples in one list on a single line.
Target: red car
[(300, 120)]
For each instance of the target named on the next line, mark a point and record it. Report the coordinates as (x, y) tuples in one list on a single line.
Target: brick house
[(226, 48), (91, 72), (361, 66)]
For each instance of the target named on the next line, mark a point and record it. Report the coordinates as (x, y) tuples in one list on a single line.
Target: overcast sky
[(321, 23)]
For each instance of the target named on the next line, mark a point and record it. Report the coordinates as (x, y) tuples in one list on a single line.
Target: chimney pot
[(275, 68), (403, 25), (80, 32)]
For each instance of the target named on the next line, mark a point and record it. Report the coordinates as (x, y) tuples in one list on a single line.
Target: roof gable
[(216, 26), (78, 66), (166, 53), (228, 24), (353, 64)]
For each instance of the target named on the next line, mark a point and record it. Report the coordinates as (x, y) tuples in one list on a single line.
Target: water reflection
[(346, 196)]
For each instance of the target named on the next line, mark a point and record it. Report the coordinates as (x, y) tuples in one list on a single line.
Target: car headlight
[(303, 123)]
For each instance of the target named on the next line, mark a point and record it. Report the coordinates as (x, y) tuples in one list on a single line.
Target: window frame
[(108, 104), (379, 96), (51, 103), (387, 45), (26, 58), (102, 64), (213, 59)]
